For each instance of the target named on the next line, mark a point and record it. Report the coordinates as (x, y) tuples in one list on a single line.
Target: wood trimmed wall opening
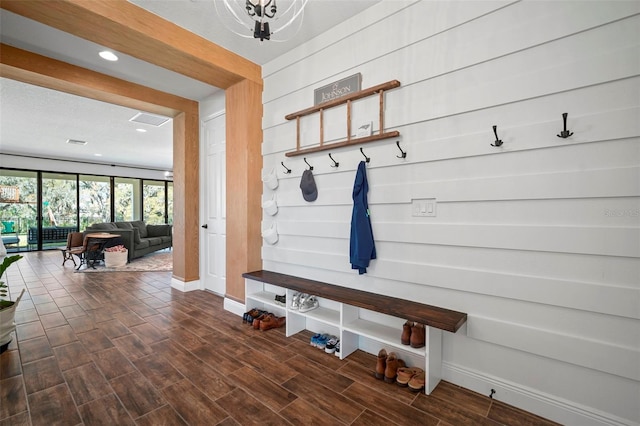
[(116, 24)]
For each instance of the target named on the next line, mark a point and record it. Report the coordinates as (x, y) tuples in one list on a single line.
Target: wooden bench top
[(432, 316)]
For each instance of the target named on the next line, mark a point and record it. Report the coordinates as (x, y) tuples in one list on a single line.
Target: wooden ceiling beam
[(130, 29), (38, 70)]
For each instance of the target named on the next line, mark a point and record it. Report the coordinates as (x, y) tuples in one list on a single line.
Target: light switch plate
[(424, 207)]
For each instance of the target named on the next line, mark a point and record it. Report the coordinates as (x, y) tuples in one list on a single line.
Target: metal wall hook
[(498, 142), (367, 159), (310, 166), (565, 133), (285, 167), (403, 154), (335, 163)]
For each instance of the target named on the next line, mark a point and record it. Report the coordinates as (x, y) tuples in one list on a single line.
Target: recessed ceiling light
[(98, 155), (108, 55), (141, 130)]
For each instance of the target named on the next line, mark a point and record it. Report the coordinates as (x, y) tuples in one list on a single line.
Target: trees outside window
[(95, 200), (18, 206), (153, 193), (59, 200), (170, 202), (128, 199)]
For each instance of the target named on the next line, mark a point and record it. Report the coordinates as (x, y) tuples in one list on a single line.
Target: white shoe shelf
[(367, 323)]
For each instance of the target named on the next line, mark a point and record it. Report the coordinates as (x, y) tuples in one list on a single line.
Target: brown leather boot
[(256, 321), (270, 322), (381, 364), (393, 363), (417, 336), (406, 333)]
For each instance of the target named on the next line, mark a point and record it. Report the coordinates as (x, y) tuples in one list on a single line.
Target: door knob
[(205, 226)]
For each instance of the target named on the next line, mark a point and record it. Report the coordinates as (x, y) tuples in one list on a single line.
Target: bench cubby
[(361, 320)]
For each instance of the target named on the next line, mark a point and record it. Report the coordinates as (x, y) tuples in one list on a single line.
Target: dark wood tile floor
[(126, 349)]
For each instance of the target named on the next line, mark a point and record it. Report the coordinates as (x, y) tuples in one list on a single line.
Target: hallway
[(126, 349)]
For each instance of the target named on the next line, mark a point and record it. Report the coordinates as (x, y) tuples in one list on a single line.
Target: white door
[(214, 186)]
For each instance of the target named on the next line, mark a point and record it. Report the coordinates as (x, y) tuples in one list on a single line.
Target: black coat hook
[(367, 159), (565, 133), (335, 163), (498, 142), (285, 167), (403, 154), (310, 166)]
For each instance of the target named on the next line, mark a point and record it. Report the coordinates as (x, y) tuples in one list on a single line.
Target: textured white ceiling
[(37, 122)]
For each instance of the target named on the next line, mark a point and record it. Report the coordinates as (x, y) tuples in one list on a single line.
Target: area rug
[(158, 261)]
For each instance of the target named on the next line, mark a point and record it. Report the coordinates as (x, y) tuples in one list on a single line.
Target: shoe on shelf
[(393, 363), (381, 364), (256, 321), (281, 300), (321, 342), (308, 304), (248, 316), (405, 339), (418, 334), (295, 301), (302, 298), (405, 374), (416, 384), (314, 339), (272, 321), (331, 344), (253, 314), (337, 351)]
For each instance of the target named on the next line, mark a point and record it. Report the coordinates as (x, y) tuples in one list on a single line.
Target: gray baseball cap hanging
[(308, 186)]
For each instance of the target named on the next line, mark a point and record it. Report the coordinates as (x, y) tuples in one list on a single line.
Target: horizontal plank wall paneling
[(486, 58), (538, 240)]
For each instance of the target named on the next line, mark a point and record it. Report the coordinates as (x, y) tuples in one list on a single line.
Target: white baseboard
[(185, 286), (532, 400), (234, 307)]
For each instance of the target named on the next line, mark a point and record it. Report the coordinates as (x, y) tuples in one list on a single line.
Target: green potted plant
[(7, 307)]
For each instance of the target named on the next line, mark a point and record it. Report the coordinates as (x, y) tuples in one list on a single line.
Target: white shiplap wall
[(537, 240)]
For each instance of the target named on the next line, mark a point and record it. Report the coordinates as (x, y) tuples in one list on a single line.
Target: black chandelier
[(261, 18), (261, 28)]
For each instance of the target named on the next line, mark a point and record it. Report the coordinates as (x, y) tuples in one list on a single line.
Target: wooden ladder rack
[(380, 89)]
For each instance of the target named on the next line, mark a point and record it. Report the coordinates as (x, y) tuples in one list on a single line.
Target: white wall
[(212, 105), (538, 240)]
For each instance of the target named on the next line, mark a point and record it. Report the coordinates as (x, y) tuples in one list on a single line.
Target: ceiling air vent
[(150, 119), (76, 142)]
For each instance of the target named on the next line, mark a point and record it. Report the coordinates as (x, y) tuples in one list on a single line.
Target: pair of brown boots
[(413, 334), (387, 366), (267, 321)]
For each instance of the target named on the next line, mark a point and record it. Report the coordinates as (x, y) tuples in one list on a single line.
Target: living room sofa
[(138, 237)]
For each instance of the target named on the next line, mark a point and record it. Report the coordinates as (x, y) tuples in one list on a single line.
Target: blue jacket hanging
[(362, 248)]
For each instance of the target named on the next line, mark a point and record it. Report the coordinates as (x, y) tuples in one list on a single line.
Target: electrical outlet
[(425, 207)]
